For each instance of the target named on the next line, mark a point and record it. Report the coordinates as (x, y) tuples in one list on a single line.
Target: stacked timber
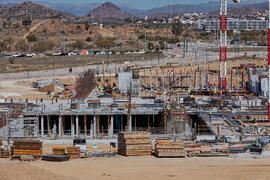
[(27, 147), (59, 150), (134, 143), (166, 148), (73, 152)]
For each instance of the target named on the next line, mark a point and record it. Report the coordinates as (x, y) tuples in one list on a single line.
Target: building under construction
[(190, 109)]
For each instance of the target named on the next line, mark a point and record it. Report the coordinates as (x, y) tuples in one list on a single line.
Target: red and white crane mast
[(223, 45)]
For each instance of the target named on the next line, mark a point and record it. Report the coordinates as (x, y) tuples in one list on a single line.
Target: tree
[(87, 26), (26, 22), (85, 84), (31, 38), (127, 20), (151, 46), (3, 46), (162, 45), (177, 28), (88, 39), (105, 43)]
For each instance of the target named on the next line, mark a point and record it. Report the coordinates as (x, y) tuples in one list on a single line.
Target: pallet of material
[(165, 148), (73, 152), (27, 147), (134, 143), (59, 150), (213, 154)]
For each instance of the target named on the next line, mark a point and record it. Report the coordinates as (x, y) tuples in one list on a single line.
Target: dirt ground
[(134, 168)]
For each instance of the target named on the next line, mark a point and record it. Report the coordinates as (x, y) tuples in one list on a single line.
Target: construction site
[(179, 106)]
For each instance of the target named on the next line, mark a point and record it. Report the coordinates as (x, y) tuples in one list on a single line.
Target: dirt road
[(35, 27), (134, 168)]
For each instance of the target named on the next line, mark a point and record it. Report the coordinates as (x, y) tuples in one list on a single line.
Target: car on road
[(72, 53), (30, 54)]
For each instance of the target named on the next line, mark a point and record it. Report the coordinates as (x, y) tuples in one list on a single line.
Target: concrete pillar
[(163, 83), (48, 125), (111, 127), (92, 129), (77, 126), (60, 126), (148, 123), (42, 126), (151, 79), (85, 125), (95, 126), (130, 124), (157, 78), (72, 126)]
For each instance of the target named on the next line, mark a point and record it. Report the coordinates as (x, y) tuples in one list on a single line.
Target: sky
[(140, 4)]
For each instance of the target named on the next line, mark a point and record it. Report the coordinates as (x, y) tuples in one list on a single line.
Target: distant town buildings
[(233, 24)]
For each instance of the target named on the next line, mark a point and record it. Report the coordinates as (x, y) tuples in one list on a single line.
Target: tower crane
[(223, 43)]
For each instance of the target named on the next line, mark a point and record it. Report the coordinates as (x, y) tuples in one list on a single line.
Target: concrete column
[(85, 125), (92, 129), (157, 78), (163, 83), (148, 123), (130, 123), (48, 125), (72, 126), (111, 127), (95, 126), (151, 79), (42, 126), (77, 126), (60, 126)]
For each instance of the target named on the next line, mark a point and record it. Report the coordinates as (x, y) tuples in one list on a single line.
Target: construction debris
[(134, 143)]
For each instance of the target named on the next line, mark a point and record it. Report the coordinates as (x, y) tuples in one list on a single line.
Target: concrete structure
[(258, 81), (232, 24), (99, 117), (125, 81)]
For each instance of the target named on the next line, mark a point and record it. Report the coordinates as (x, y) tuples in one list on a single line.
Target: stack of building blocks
[(59, 150), (73, 152), (27, 147), (167, 148), (134, 143)]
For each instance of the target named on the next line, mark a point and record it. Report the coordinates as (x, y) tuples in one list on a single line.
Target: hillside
[(209, 7), (75, 9), (108, 11), (245, 10), (31, 10)]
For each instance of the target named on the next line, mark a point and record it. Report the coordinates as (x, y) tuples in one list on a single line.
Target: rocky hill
[(109, 11), (32, 11), (246, 10)]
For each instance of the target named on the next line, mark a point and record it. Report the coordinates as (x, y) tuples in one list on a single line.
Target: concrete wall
[(125, 81)]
